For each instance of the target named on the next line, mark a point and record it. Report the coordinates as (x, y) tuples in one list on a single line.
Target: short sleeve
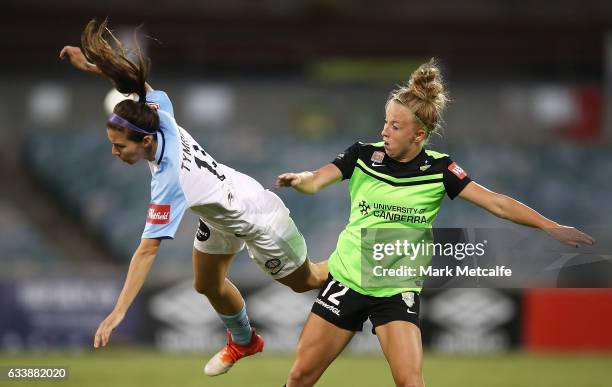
[(160, 100), (347, 160), (455, 178), (166, 209)]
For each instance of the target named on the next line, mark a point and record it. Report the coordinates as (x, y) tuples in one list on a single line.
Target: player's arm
[(310, 182), (508, 208), (141, 262), (80, 62)]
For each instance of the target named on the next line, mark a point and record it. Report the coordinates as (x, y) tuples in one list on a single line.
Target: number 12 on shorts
[(333, 297)]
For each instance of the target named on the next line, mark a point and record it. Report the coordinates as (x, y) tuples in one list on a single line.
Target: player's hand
[(77, 59), (106, 328), (288, 180), (570, 236)]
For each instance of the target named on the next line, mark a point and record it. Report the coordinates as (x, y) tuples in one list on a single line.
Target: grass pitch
[(148, 368)]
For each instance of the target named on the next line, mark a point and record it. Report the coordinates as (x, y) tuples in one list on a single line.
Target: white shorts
[(276, 244)]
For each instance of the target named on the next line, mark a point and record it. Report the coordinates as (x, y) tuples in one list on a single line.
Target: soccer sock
[(239, 326)]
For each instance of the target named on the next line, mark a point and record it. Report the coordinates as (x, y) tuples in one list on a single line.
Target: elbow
[(146, 253), (500, 206), (313, 190), (144, 257)]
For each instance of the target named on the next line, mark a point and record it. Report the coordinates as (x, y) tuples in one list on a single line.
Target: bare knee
[(319, 280), (207, 288), (409, 378), (300, 377)]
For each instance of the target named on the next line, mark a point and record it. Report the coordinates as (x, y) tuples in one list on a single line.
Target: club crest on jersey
[(158, 214), (378, 156), (457, 170)]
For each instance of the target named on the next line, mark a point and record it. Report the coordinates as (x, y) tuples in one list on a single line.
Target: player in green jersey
[(395, 183)]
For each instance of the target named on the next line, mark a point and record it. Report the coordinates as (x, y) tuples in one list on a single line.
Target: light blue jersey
[(185, 176), (168, 202)]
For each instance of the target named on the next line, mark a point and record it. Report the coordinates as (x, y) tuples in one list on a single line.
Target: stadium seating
[(24, 247)]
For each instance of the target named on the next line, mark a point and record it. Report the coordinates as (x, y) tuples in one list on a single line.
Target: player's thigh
[(279, 248), (337, 313), (319, 344), (210, 268), (213, 252), (401, 344)]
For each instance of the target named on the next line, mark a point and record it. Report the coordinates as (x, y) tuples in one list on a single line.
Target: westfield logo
[(158, 214)]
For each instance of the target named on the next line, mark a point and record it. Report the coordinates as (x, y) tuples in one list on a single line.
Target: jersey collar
[(161, 145), (417, 160)]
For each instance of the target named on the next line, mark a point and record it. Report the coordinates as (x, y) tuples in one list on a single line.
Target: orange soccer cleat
[(231, 353)]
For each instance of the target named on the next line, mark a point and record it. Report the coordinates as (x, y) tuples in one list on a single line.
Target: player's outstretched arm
[(506, 207), (137, 273), (78, 60), (310, 182)]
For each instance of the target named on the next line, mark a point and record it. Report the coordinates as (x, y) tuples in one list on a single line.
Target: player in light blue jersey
[(234, 209)]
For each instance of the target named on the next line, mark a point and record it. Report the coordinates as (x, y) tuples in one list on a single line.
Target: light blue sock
[(239, 326)]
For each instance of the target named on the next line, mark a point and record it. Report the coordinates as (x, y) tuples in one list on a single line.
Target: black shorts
[(347, 309)]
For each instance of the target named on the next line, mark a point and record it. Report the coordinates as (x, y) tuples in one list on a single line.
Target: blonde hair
[(424, 95)]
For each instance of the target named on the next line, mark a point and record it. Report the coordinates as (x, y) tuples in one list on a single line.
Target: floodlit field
[(150, 369)]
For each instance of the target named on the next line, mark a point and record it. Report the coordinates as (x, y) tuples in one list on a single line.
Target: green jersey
[(386, 193)]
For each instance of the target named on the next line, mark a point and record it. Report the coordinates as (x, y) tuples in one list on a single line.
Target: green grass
[(137, 368)]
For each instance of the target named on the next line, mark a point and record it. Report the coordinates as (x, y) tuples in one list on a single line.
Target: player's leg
[(396, 324), (401, 344), (307, 277), (213, 253), (210, 279), (319, 344), (336, 314), (280, 249)]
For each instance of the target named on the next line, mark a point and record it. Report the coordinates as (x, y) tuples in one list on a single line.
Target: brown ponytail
[(127, 76), (103, 49)]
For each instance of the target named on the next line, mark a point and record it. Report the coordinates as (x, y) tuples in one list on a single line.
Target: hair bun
[(426, 83), (424, 96)]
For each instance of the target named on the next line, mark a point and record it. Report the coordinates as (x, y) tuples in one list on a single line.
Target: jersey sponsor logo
[(377, 157), (325, 305), (158, 214), (396, 208), (203, 232), (457, 170), (393, 212), (395, 217)]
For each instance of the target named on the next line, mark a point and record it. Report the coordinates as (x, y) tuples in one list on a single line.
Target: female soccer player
[(234, 209), (399, 173)]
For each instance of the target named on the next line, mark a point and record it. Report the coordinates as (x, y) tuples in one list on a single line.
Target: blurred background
[(271, 86)]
